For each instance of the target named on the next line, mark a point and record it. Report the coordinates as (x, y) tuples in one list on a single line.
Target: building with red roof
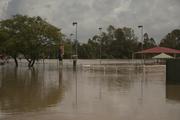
[(158, 50)]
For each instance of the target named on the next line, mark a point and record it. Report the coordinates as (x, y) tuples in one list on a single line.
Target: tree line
[(119, 43), (114, 43), (34, 38)]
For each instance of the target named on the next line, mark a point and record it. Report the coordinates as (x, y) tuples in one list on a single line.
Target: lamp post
[(71, 44), (142, 80), (76, 51), (141, 27), (76, 45), (100, 49)]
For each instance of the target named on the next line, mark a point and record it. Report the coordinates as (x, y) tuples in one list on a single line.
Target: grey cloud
[(19, 7), (157, 16)]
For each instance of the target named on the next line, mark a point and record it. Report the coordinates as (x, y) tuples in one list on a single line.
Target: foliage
[(114, 43), (171, 40), (148, 43), (32, 37)]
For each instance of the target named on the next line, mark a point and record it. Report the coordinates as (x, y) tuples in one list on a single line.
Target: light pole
[(76, 45), (142, 37), (71, 44), (100, 49), (76, 51)]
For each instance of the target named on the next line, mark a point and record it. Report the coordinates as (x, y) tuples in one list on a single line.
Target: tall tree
[(171, 40), (131, 43), (117, 47), (30, 36), (115, 43), (148, 42)]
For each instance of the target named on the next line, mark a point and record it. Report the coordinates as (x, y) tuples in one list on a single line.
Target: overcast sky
[(157, 16)]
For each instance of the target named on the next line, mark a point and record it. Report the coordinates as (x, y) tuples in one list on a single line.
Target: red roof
[(160, 50)]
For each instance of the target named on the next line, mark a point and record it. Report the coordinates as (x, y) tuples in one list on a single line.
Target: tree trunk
[(16, 62), (31, 63)]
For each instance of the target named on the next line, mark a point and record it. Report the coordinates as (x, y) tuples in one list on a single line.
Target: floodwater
[(52, 92)]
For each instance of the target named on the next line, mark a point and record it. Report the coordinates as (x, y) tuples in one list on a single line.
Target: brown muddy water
[(52, 92)]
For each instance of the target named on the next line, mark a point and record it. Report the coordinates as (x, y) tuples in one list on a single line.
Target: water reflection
[(25, 89), (129, 93), (75, 86)]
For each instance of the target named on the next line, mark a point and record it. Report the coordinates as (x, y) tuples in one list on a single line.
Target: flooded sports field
[(52, 91)]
